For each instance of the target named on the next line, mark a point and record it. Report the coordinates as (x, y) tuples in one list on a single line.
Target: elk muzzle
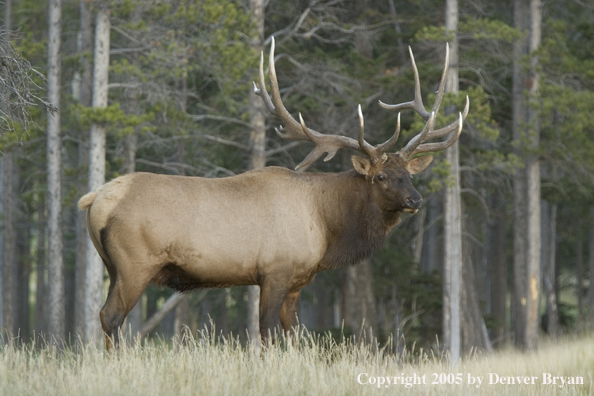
[(413, 203)]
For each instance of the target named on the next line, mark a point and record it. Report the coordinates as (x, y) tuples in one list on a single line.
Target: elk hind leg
[(112, 316), (120, 301)]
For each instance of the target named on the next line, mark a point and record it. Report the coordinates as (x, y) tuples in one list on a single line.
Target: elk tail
[(86, 201)]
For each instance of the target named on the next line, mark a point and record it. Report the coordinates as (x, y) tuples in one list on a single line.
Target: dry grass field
[(205, 366)]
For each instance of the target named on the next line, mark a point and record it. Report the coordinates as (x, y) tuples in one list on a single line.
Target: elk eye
[(381, 177)]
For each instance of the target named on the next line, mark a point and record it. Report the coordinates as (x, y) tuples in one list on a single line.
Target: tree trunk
[(205, 321), (452, 211), (579, 270), (591, 267), (22, 272), (360, 310), (480, 256), (430, 258), (151, 309), (2, 236), (8, 18), (419, 235), (41, 291), (85, 44), (134, 320), (9, 202), (324, 294), (527, 238), (257, 158), (70, 275), (94, 268), (401, 49), (533, 182), (20, 265), (182, 316), (552, 312), (55, 261), (359, 307), (499, 274), (473, 329), (519, 184)]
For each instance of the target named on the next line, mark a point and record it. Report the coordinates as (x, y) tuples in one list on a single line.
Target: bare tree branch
[(18, 90), (125, 34), (170, 166), (128, 50), (292, 31), (219, 118), (158, 316), (227, 142), (282, 148)]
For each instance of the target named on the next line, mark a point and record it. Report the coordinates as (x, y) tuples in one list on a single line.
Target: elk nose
[(414, 202)]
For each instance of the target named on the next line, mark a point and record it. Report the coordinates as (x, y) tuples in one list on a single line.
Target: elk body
[(273, 227)]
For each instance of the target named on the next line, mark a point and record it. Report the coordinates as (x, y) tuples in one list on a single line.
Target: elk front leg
[(289, 310), (272, 296)]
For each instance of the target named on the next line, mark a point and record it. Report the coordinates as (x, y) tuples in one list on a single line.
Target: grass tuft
[(206, 364)]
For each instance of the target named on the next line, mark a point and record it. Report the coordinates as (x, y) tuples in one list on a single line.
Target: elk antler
[(417, 144), (298, 131)]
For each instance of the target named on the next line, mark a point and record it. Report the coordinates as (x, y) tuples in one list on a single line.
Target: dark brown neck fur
[(355, 226)]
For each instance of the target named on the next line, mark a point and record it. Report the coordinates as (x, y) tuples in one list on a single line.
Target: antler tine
[(367, 148), (416, 104), (452, 127), (413, 143), (319, 150), (384, 147), (261, 91), (417, 144), (442, 83), (438, 146), (298, 131), (292, 127)]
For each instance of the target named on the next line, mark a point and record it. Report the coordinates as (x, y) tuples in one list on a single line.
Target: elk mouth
[(413, 204)]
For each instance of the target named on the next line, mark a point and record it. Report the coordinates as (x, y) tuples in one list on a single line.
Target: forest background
[(173, 95)]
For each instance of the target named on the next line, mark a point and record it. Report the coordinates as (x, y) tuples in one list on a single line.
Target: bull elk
[(271, 227)]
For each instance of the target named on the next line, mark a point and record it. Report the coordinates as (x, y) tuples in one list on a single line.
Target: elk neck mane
[(355, 224)]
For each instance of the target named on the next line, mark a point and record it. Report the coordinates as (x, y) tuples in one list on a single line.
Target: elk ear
[(361, 165), (418, 164)]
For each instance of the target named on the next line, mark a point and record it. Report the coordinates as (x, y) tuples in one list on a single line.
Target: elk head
[(390, 174)]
